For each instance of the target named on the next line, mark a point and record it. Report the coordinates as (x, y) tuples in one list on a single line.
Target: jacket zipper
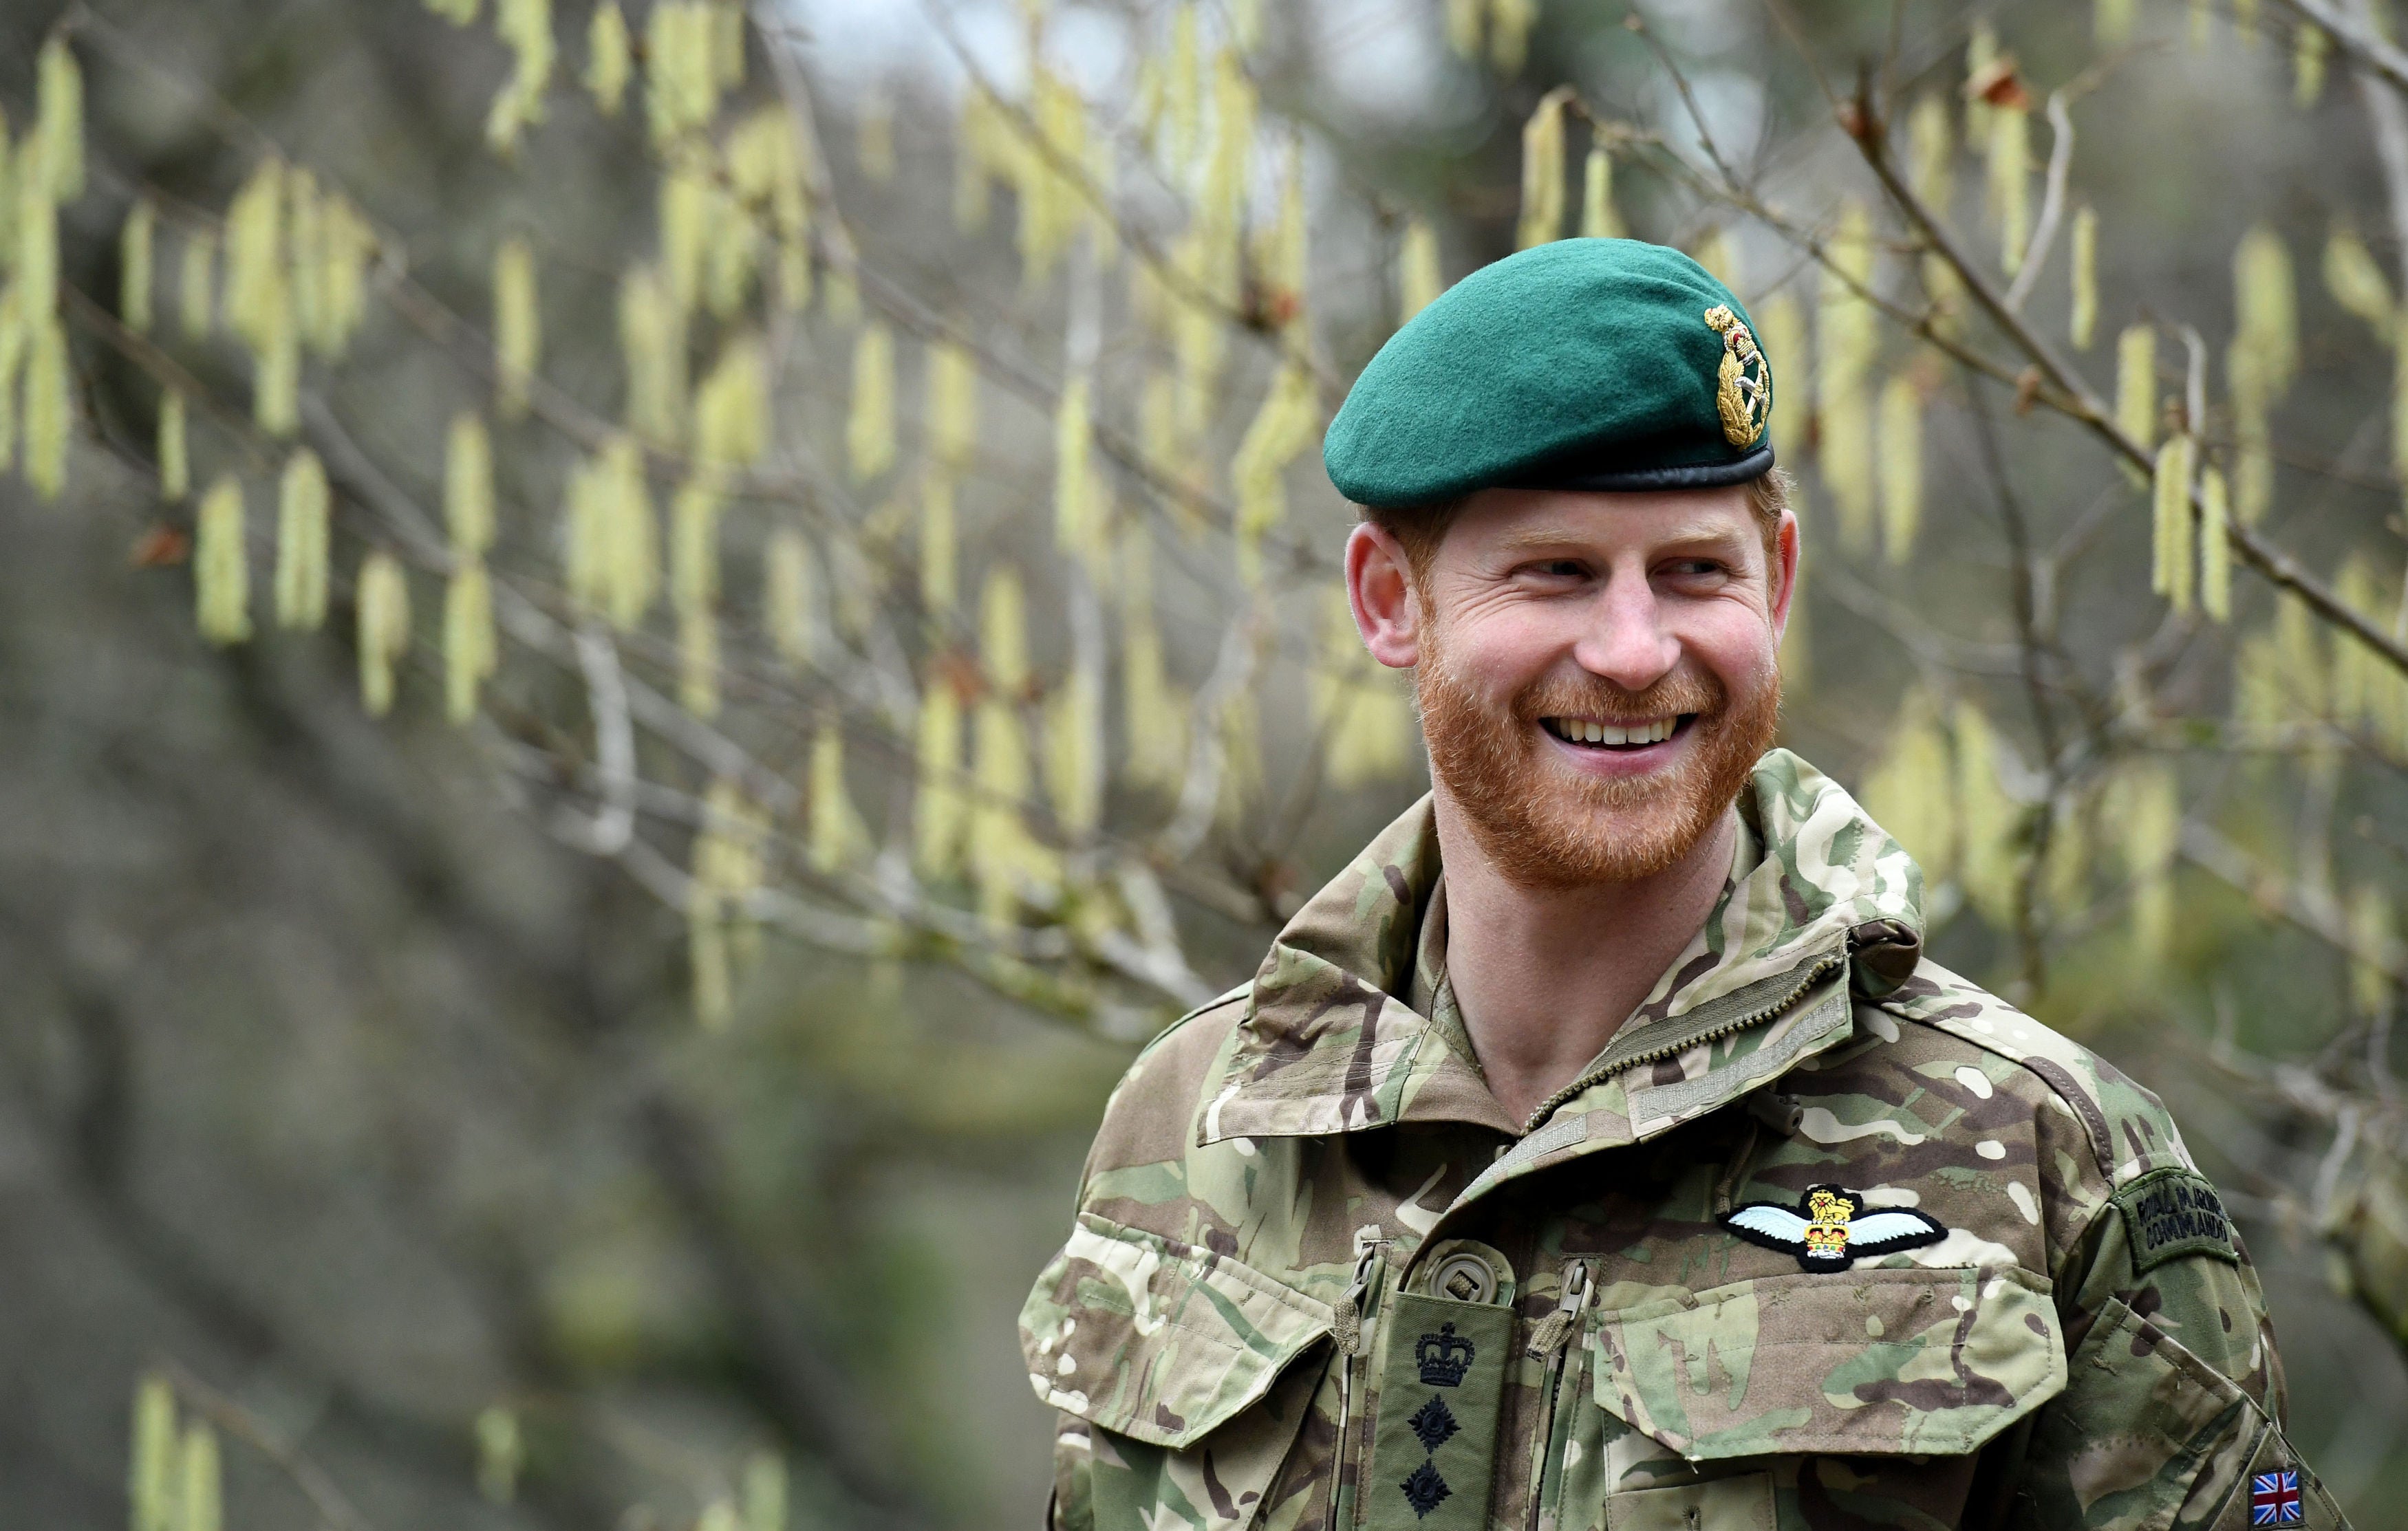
[(1347, 1330), (1814, 975), (1553, 1341)]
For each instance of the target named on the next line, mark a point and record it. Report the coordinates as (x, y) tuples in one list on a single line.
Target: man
[(1598, 1149)]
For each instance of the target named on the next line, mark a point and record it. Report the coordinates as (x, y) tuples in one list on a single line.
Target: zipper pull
[(1556, 1327), (1347, 1325)]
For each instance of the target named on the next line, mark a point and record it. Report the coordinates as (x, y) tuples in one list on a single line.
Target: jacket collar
[(1819, 900)]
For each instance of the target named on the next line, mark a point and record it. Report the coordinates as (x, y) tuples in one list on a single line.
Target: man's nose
[(1626, 642)]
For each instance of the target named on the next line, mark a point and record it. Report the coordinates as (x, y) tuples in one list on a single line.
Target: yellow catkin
[(255, 291), (470, 651), (1780, 334), (151, 1464), (48, 413), (681, 75), (2083, 324), (1003, 858), (1846, 341), (2354, 678), (839, 839), (1463, 26), (2111, 22), (518, 327), (1900, 466), (1418, 280), (1988, 822), (2216, 547), (732, 257), (2170, 570), (2266, 308), (1907, 791), (36, 244), (1240, 729), (652, 340), (302, 548), (2307, 51), (1284, 258), (2147, 812), (1182, 104), (468, 485), (1279, 431), (135, 281), (940, 807), (1542, 173), (870, 427), (175, 456), (765, 1491), (1931, 151), (978, 135), (952, 403), (2373, 948), (2356, 282), (687, 231), (939, 548), (1509, 32), (1719, 254), (383, 603), (222, 565), (1599, 219), (501, 1450), (607, 65), (457, 12), (2010, 183), (727, 24), (58, 92), (789, 594), (731, 408), (526, 26), (347, 244), (630, 557), (276, 380), (196, 286), (1980, 53), (585, 517), (305, 238), (200, 1488), (1154, 716), (1076, 525), (2136, 384), (1074, 752), (1362, 713)]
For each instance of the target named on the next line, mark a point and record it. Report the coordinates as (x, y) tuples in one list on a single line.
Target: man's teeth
[(1588, 731)]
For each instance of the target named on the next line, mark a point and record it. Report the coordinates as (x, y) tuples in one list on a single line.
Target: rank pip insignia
[(1830, 1228), (1742, 400)]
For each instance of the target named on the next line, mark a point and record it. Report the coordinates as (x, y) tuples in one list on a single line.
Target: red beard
[(1542, 826)]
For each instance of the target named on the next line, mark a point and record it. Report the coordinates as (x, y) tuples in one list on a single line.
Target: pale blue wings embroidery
[(1878, 1233), (1778, 1223)]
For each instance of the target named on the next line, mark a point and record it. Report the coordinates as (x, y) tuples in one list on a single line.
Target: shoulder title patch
[(1830, 1228), (2172, 1212)]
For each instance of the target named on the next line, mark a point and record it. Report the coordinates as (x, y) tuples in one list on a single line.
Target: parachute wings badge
[(1830, 1228), (1742, 400)]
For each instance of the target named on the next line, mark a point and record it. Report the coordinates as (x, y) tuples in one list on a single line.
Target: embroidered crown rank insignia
[(1742, 401), (1830, 1228), (2274, 1498)]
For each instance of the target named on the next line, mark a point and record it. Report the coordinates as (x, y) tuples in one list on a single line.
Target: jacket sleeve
[(1073, 1507), (2173, 1410)]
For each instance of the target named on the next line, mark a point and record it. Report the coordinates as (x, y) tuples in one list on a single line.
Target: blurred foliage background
[(641, 646)]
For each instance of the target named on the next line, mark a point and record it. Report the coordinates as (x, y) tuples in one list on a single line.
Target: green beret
[(1583, 364)]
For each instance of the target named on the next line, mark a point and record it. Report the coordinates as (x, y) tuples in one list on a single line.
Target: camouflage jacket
[(1826, 1237)]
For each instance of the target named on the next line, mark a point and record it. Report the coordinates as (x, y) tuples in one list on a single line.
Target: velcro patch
[(2172, 1212)]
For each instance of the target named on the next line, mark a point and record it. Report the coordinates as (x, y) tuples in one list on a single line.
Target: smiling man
[(1598, 1150)]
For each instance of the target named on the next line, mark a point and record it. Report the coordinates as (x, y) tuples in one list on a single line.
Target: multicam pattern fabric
[(1281, 1179)]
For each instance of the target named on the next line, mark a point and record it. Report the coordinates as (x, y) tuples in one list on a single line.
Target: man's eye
[(1563, 568), (1695, 569)]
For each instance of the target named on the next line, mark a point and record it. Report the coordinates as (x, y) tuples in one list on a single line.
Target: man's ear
[(1785, 571), (1380, 587)]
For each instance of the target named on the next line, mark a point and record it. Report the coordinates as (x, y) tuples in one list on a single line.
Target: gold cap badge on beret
[(1743, 401)]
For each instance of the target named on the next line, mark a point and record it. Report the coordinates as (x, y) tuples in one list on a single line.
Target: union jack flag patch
[(2274, 1498)]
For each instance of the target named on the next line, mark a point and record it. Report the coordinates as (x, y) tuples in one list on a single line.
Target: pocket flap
[(1156, 1340), (1909, 1361)]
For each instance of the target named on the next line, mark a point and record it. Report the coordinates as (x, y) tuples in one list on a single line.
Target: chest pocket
[(1194, 1371), (1864, 1364)]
